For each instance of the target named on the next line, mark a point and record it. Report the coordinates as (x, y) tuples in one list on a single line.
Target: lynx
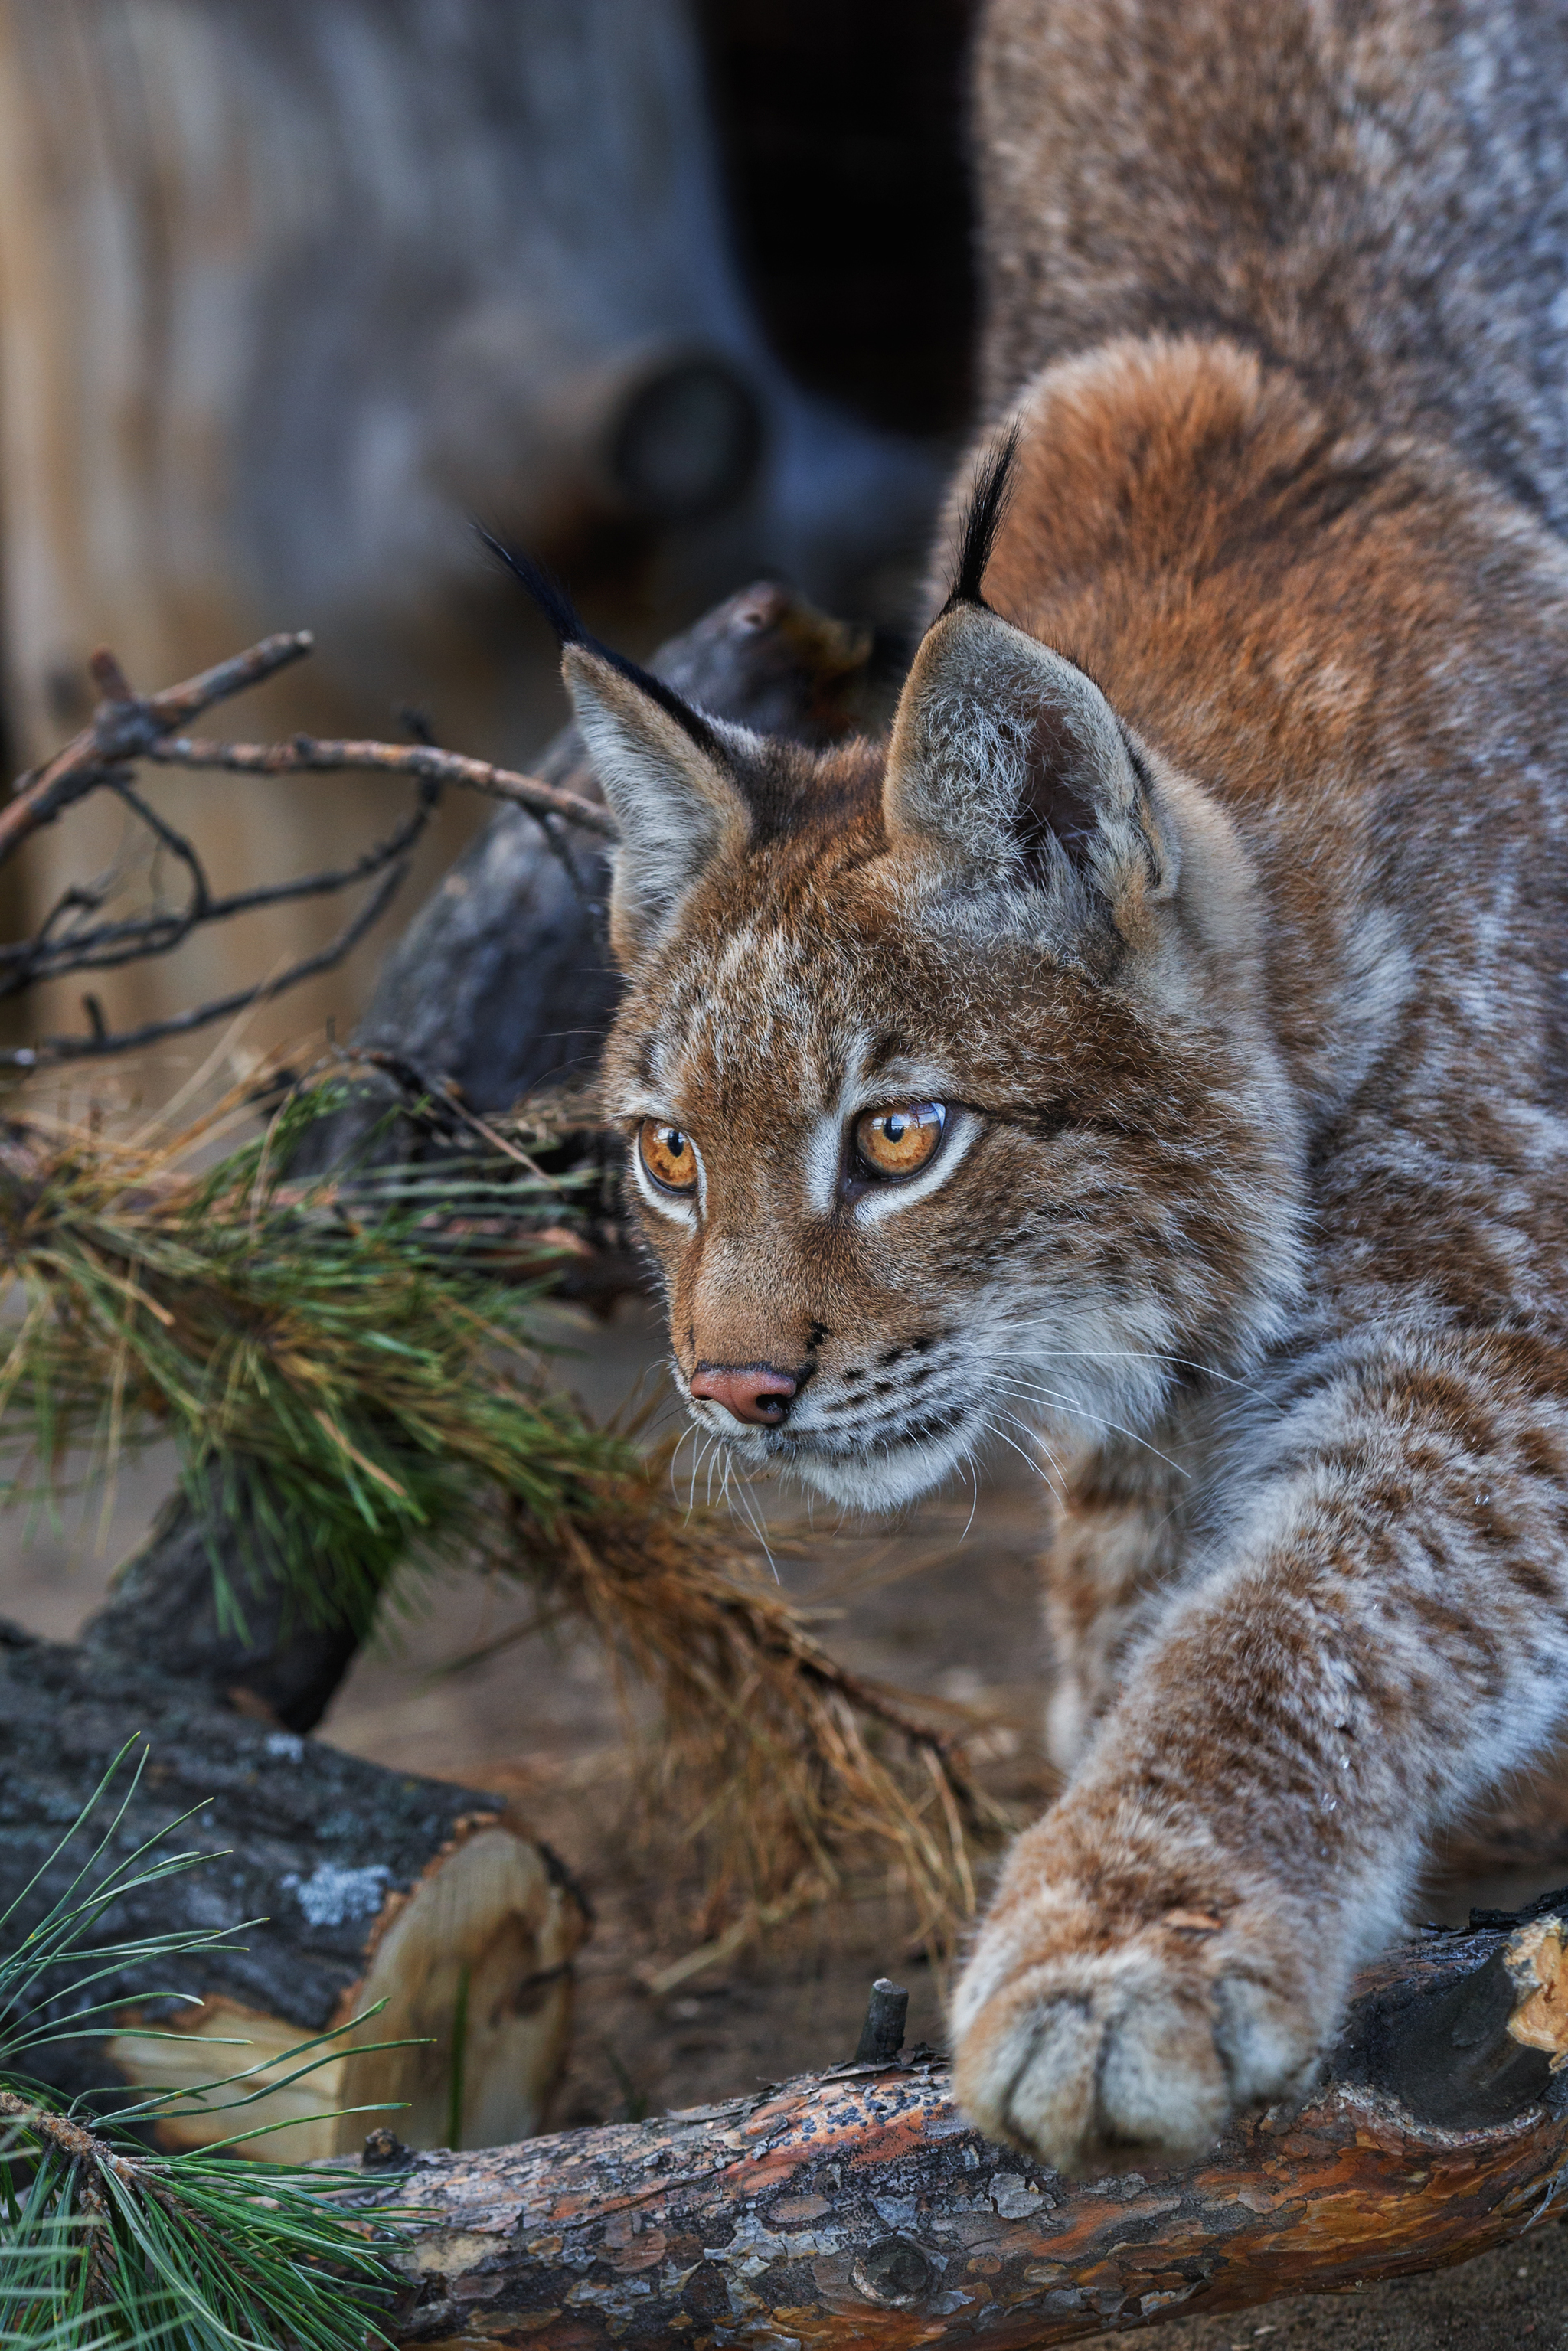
[(1158, 1038)]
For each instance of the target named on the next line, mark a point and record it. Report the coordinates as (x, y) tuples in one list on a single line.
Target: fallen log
[(857, 2207), (365, 1886)]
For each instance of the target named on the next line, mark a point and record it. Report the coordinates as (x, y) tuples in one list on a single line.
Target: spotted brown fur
[(1213, 874)]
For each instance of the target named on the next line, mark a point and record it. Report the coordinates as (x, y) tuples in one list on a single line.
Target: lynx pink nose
[(753, 1393)]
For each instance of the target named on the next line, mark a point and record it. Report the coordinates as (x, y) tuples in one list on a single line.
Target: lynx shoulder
[(1157, 1040)]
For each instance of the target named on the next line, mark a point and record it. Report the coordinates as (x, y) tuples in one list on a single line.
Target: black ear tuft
[(544, 588), (563, 617), (992, 496)]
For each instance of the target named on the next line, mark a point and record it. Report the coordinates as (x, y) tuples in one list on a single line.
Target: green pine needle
[(102, 2243), (345, 1368), (349, 1371)]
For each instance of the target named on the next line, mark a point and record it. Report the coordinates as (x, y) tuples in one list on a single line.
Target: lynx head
[(947, 1097)]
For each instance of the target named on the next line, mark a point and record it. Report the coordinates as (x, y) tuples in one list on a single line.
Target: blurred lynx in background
[(290, 290)]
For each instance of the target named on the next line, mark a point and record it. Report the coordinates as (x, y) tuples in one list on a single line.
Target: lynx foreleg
[(1381, 1635), (1116, 1536)]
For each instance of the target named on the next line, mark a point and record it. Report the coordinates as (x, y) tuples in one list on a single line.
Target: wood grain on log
[(859, 2208), (365, 1884)]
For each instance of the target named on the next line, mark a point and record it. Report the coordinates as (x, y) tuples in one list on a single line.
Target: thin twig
[(152, 1032), (127, 726), (310, 754), (106, 946)]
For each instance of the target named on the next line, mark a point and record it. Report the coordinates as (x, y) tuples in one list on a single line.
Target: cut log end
[(366, 1886), (473, 1966), (1538, 1968)]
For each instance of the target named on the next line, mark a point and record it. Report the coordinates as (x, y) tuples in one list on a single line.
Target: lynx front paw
[(1100, 2044)]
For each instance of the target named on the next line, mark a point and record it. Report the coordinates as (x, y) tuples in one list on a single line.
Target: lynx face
[(948, 1109)]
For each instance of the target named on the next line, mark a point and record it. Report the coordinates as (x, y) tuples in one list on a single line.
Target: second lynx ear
[(1006, 756)]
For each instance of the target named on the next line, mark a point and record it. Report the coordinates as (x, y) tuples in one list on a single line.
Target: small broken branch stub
[(881, 2034)]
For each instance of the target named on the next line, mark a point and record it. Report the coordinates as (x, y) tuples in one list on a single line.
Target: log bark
[(163, 1616), (858, 2208), (502, 984), (368, 1886)]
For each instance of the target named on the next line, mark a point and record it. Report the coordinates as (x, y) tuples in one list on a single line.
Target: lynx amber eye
[(668, 1156), (899, 1141)]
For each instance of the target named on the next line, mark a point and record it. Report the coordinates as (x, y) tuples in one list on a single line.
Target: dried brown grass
[(793, 1776)]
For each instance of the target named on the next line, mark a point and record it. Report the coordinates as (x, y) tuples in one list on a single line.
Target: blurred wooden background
[(675, 295)]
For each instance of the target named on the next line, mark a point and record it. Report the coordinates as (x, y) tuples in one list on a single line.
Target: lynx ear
[(1005, 757), (665, 769), (665, 773)]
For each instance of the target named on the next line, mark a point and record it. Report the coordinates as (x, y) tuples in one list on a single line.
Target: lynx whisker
[(701, 1452), (995, 1430), (1247, 1388), (1046, 1468), (736, 1492), (1016, 1387), (967, 1467)]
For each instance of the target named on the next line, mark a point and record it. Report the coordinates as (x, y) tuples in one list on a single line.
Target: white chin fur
[(881, 1481)]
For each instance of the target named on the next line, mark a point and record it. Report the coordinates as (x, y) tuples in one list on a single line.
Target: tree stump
[(366, 1885)]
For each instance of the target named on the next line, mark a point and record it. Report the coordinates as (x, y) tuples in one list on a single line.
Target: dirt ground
[(944, 1602)]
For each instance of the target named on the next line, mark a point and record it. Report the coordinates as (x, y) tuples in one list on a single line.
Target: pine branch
[(102, 2242), (352, 1361)]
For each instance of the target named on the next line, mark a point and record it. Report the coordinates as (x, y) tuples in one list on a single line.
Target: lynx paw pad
[(1137, 2053)]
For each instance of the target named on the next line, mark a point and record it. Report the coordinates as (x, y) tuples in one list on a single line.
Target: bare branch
[(125, 726), (105, 947), (308, 754), (103, 1041)]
